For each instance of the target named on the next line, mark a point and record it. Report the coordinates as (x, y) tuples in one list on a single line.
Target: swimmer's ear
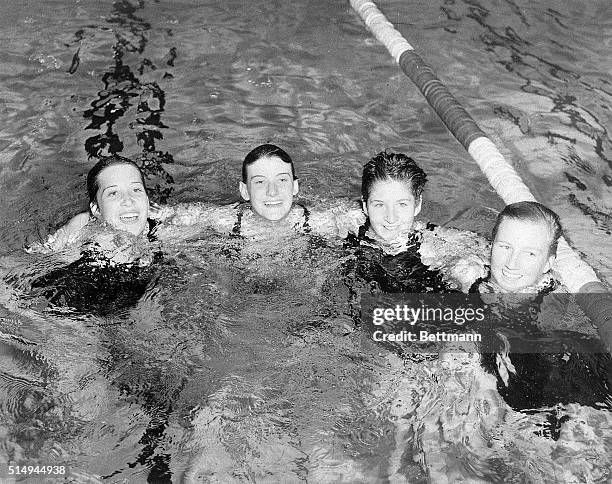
[(417, 206), (296, 187), (94, 209), (244, 191)]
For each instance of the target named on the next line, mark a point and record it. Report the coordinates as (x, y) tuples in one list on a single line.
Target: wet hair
[(392, 166), (92, 177), (263, 151), (532, 212)]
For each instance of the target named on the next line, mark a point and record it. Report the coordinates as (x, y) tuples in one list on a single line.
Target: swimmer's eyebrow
[(110, 186), (278, 174), (529, 247), (115, 186)]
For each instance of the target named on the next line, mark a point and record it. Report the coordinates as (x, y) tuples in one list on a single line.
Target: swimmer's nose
[(513, 260), (126, 199), (390, 216), (272, 189)]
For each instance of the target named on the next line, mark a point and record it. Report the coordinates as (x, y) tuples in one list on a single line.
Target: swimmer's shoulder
[(68, 234), (461, 255), (438, 241), (196, 215), (336, 218)]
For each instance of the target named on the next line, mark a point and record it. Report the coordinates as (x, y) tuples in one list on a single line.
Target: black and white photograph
[(305, 241)]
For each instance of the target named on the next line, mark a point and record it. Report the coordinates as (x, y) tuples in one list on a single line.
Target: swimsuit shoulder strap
[(237, 228), (306, 223)]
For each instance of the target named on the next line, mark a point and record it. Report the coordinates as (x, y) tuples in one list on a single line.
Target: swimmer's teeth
[(510, 275)]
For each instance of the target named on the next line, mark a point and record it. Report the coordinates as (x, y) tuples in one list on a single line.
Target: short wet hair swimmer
[(525, 238), (391, 192), (269, 182), (118, 194)]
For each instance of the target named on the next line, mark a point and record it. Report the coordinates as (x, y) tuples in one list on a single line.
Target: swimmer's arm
[(197, 216), (336, 218), (63, 237), (461, 256)]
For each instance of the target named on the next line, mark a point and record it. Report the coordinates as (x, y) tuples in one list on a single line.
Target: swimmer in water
[(112, 235), (543, 385), (525, 239), (117, 200), (268, 188), (269, 182), (392, 196)]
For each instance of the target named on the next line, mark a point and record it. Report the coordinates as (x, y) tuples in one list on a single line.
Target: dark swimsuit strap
[(306, 225), (237, 228)]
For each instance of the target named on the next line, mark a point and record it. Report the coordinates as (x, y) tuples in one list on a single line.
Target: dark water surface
[(238, 364)]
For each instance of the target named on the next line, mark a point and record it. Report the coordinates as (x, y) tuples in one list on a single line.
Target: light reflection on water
[(231, 369)]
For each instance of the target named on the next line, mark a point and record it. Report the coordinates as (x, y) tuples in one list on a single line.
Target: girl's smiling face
[(520, 254), (121, 199), (270, 187), (391, 208)]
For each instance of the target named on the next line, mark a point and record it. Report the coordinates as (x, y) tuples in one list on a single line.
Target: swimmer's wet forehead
[(137, 183), (406, 199), (113, 176), (268, 167), (280, 173), (528, 234), (393, 190)]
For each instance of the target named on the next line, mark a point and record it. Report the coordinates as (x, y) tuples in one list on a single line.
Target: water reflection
[(212, 361)]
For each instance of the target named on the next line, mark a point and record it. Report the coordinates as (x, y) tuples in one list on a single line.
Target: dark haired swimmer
[(391, 192), (268, 188), (118, 194), (269, 182), (117, 200), (392, 196)]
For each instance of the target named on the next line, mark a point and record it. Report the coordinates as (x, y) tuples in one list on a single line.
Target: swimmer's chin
[(273, 217), (392, 237)]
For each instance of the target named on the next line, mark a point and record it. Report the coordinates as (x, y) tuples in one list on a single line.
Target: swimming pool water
[(244, 367)]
